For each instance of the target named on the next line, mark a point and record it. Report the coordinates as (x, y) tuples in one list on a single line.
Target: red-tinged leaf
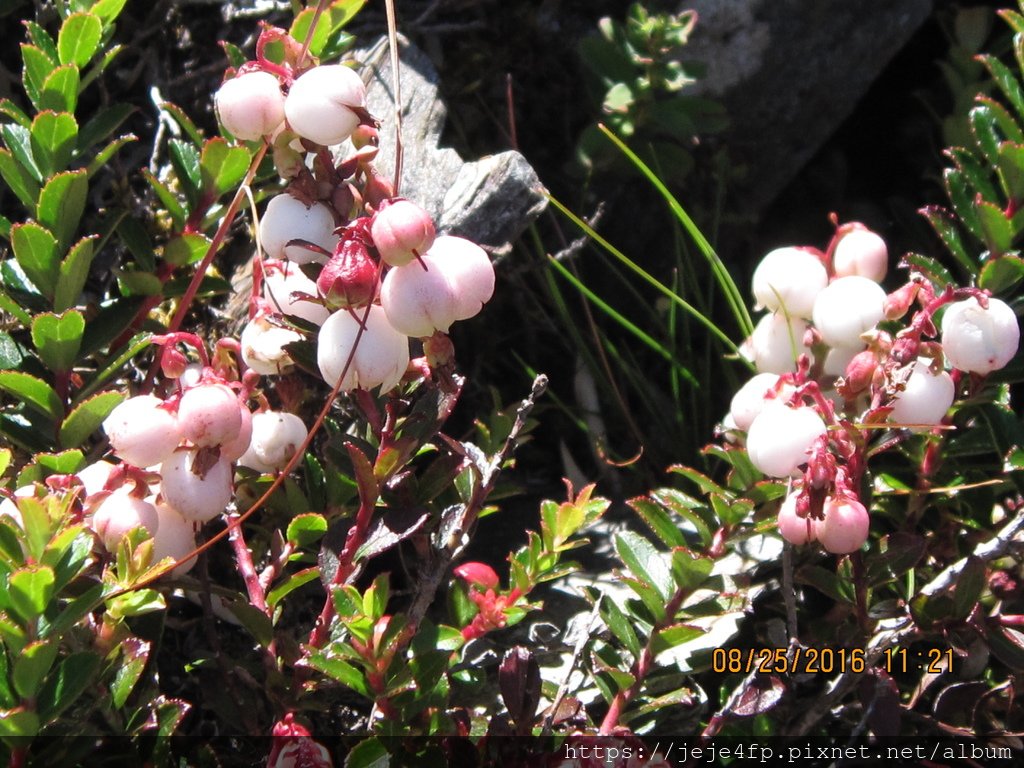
[(759, 695), (363, 470)]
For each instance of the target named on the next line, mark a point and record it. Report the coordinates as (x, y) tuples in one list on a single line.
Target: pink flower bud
[(478, 575), (276, 436), (977, 339), (925, 398), (141, 431), (845, 527), (401, 231), (198, 491), (789, 279), (175, 538), (793, 528), (780, 438), (209, 414), (233, 449), (289, 291), (324, 104), (848, 307), (380, 359), (859, 373), (418, 298), (860, 251), (263, 346), (251, 105), (119, 514), (287, 218), (469, 271)]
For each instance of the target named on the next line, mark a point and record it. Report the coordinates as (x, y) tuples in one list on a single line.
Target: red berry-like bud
[(478, 575), (859, 373), (899, 301), (349, 279)]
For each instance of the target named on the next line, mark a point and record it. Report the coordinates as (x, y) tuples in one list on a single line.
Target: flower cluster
[(341, 250), (835, 351)]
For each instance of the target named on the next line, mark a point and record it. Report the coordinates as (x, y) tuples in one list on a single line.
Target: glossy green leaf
[(70, 680), (290, 583), (658, 520), (61, 204), (110, 322), (969, 585), (108, 10), (1004, 126), (167, 198), (36, 251), (7, 696), (986, 133), (181, 118), (339, 670), (41, 39), (35, 393), (30, 590), (32, 665), (976, 174), (53, 136), (369, 753), (38, 67), (101, 127), (99, 162), (620, 626), (134, 655), (19, 180), (305, 529), (928, 267), (18, 723), (185, 159), (133, 282), (1002, 274), (689, 569), (223, 166), (669, 637), (60, 90), (1011, 169), (74, 271), (19, 142), (87, 417), (962, 200), (1007, 645), (57, 338), (327, 33), (79, 39), (645, 562), (995, 227), (186, 249), (13, 111)]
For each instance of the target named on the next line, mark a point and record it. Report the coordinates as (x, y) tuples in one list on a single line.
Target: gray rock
[(490, 201), (790, 71)]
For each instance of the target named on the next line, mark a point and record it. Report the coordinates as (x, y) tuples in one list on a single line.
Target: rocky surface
[(790, 71)]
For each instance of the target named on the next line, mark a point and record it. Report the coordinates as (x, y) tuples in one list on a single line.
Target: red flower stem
[(218, 239), (641, 667), (246, 567)]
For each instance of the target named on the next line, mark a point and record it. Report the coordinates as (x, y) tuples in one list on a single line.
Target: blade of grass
[(646, 276), (624, 323), (725, 281)]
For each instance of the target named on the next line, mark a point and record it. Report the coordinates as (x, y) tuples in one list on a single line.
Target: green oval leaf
[(74, 675), (36, 393), (58, 338), (35, 250), (60, 89), (30, 590), (19, 142), (61, 204), (74, 270), (38, 67), (79, 39), (53, 136), (645, 562), (87, 417), (223, 166), (32, 665), (19, 180), (1000, 275), (18, 723)]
